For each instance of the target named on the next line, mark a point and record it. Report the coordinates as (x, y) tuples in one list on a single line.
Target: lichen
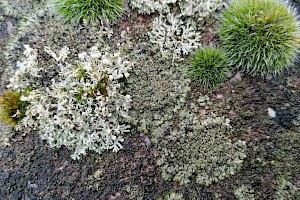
[(5, 134), (199, 8), (23, 8), (73, 111), (158, 87), (201, 148), (286, 190), (244, 192), (46, 30), (174, 37), (177, 29), (172, 196)]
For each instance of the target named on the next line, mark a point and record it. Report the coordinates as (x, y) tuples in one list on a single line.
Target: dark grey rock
[(3, 177)]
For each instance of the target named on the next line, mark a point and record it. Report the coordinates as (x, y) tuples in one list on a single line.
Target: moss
[(209, 68), (90, 11), (259, 37), (12, 108)]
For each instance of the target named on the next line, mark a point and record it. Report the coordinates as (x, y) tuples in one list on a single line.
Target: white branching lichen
[(151, 6), (80, 109), (177, 29), (174, 37)]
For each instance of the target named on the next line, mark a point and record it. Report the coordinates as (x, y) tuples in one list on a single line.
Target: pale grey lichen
[(48, 31), (172, 196), (244, 192), (5, 134), (23, 8), (187, 7), (174, 37), (287, 190), (296, 123), (177, 29), (81, 109), (201, 148), (151, 6), (199, 10)]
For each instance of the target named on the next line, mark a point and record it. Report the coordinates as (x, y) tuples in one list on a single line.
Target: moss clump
[(259, 36), (90, 11), (12, 108), (209, 68)]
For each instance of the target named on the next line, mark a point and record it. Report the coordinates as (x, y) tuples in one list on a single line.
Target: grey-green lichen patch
[(244, 192), (5, 134), (158, 87), (296, 123), (135, 192), (190, 147), (172, 196), (287, 191), (23, 8)]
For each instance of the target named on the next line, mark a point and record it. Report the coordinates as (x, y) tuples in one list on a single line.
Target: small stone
[(32, 185), (237, 77), (9, 27), (271, 113), (287, 105), (202, 112), (269, 77), (219, 96), (147, 141), (232, 114)]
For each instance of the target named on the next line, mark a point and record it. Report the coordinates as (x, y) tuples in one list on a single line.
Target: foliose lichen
[(158, 87), (244, 192), (23, 8), (6, 134), (201, 148), (286, 190)]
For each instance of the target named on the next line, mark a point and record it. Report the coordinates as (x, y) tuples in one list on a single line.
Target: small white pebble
[(271, 112)]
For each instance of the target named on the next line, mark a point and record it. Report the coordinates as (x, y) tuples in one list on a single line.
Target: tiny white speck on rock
[(271, 112)]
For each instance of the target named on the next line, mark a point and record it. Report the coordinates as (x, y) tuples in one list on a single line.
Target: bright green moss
[(90, 11), (12, 108), (259, 36), (209, 68)]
